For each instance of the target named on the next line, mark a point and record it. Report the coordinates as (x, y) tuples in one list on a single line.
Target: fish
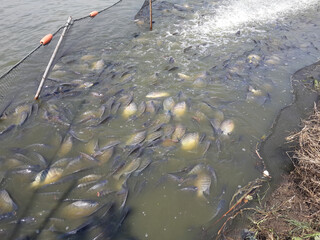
[(221, 205), (168, 130), (91, 146), (168, 143), (199, 177), (90, 178), (11, 163), (199, 83), (227, 127), (259, 99), (129, 110), (189, 189), (136, 138), (115, 108), (65, 147), (178, 133), (91, 115), (153, 136), (141, 109), (168, 104), (127, 169), (47, 176), (99, 186), (205, 147), (179, 109), (184, 77), (157, 95), (22, 118), (110, 145), (83, 134), (126, 77), (87, 57), (182, 8), (254, 59), (123, 196), (98, 65), (104, 155), (3, 110), (143, 165), (125, 100), (198, 168), (273, 60), (171, 69), (256, 92), (79, 163), (213, 174), (164, 118), (61, 163), (22, 108), (79, 209), (199, 116), (190, 141), (41, 160), (203, 183), (150, 107), (9, 128), (7, 205), (155, 126)]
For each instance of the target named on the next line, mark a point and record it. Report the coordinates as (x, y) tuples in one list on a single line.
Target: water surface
[(236, 58)]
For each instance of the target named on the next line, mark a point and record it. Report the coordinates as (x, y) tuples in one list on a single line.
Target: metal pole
[(150, 7), (44, 77)]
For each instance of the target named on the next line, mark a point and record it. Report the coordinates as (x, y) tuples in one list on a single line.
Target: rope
[(18, 63), (29, 54), (82, 18)]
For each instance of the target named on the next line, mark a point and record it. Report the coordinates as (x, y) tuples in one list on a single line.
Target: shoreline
[(293, 209)]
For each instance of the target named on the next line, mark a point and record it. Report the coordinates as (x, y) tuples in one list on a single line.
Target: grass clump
[(293, 210)]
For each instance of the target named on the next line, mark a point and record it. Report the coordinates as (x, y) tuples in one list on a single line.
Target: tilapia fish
[(190, 141), (79, 209), (157, 94), (47, 176), (7, 205)]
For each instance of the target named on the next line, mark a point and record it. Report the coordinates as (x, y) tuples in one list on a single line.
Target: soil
[(293, 209), (287, 214)]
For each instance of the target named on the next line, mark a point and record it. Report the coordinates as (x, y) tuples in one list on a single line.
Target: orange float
[(94, 13), (46, 39)]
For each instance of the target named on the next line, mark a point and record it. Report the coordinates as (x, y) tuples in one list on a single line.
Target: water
[(24, 23), (238, 57)]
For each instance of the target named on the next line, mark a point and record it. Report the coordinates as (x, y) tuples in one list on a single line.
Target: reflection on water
[(152, 134)]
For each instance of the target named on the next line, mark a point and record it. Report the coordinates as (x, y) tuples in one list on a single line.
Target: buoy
[(46, 39), (94, 13)]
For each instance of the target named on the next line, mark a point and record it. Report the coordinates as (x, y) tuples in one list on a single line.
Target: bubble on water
[(247, 15)]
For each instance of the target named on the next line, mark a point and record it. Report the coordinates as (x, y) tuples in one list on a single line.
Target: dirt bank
[(293, 209)]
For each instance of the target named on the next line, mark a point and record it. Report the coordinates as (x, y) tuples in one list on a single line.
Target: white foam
[(232, 15)]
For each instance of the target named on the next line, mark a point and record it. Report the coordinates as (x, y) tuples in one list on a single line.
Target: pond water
[(144, 134)]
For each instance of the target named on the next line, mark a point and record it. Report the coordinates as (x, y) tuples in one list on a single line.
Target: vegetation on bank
[(293, 209)]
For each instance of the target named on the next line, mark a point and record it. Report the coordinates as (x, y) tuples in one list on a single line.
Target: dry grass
[(307, 171), (293, 210)]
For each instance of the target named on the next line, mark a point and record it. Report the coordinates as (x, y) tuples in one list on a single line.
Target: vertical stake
[(150, 7), (46, 72)]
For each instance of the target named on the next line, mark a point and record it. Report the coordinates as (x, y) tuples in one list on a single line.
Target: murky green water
[(221, 65)]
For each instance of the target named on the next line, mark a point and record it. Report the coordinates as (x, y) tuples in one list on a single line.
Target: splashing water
[(245, 15)]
